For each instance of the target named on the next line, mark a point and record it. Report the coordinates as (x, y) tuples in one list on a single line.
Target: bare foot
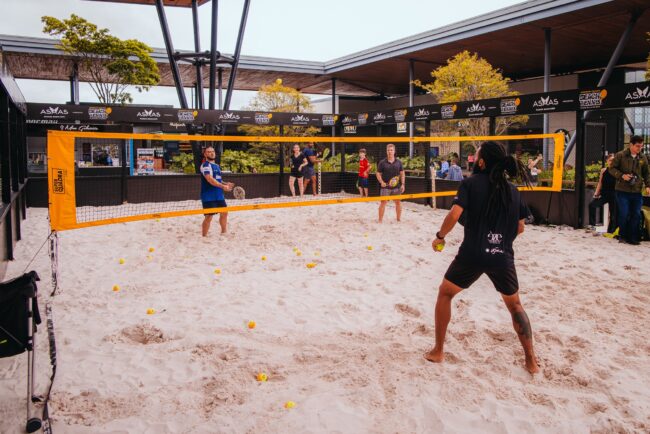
[(531, 365), (435, 356)]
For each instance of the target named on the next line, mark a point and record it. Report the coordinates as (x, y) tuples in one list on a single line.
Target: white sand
[(343, 340)]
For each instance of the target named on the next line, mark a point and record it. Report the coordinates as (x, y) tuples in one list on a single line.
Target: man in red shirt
[(364, 170)]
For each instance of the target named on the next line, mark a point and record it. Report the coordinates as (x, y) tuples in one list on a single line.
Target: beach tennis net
[(104, 178)]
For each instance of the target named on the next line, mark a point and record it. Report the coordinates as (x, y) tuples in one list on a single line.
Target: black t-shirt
[(390, 170), (296, 161), (485, 244), (609, 183)]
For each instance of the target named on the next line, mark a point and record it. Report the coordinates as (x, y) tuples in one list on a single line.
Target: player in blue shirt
[(212, 188)]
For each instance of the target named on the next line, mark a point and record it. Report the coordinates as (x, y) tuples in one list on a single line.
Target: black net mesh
[(116, 178)]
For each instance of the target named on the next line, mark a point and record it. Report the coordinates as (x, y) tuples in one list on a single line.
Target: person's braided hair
[(500, 168)]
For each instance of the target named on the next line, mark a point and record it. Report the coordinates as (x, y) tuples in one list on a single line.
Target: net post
[(342, 151), (493, 126), (427, 164), (580, 171), (281, 174), (124, 198)]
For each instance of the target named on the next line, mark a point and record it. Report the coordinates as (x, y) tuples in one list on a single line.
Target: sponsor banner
[(509, 106), (400, 115), (615, 96), (349, 129), (40, 130), (549, 102), (362, 118), (637, 94), (478, 109), (592, 99), (263, 118), (329, 120), (229, 118), (448, 111), (401, 127), (174, 127), (300, 119), (99, 113), (423, 113), (377, 118), (186, 116)]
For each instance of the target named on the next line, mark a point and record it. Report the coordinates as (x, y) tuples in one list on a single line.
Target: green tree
[(110, 64), (467, 77), (275, 98)]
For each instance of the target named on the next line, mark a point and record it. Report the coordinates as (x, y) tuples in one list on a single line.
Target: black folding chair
[(19, 316)]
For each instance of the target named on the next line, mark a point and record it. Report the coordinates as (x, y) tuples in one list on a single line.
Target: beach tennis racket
[(326, 153), (393, 182), (239, 192)]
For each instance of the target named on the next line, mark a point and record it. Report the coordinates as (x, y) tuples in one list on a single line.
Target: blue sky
[(292, 29)]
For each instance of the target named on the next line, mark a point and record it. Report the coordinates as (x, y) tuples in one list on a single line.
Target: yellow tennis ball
[(251, 324), (217, 271), (149, 257), (439, 247), (151, 249), (289, 404), (263, 258), (262, 377), (122, 261), (116, 288), (298, 253), (151, 311), (311, 265), (365, 235), (369, 247)]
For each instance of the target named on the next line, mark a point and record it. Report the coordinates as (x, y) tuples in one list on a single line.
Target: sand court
[(343, 340)]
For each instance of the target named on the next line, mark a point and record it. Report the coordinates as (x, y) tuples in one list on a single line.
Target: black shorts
[(214, 204), (464, 274), (296, 173), (362, 182)]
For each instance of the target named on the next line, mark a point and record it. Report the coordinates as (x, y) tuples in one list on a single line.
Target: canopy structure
[(585, 35)]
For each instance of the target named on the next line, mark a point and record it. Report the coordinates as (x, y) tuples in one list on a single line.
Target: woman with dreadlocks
[(493, 214)]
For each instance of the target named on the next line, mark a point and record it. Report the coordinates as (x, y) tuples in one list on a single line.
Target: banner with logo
[(48, 114), (615, 96)]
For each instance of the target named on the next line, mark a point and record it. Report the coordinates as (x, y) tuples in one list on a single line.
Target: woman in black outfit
[(298, 161)]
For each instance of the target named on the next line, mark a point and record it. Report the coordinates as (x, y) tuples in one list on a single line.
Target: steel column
[(74, 84), (240, 40), (411, 103), (281, 181), (197, 48), (213, 52), (170, 54), (427, 163), (220, 85), (547, 88), (580, 170), (333, 146)]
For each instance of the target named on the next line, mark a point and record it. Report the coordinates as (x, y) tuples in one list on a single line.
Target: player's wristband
[(439, 237)]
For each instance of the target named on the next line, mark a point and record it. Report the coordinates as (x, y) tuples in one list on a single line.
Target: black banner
[(49, 114), (611, 97)]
